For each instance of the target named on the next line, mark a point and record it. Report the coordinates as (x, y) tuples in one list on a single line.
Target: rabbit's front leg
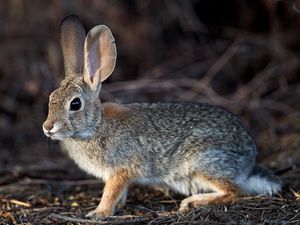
[(113, 191), (122, 200)]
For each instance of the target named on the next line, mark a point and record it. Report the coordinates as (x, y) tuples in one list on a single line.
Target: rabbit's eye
[(75, 104)]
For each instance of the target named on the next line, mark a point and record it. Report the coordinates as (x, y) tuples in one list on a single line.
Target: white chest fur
[(82, 154)]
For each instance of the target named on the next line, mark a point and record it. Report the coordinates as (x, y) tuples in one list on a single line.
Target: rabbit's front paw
[(99, 214), (184, 207)]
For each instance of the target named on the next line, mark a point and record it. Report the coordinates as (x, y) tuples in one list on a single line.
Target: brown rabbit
[(198, 150)]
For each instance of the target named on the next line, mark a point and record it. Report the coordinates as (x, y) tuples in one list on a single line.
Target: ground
[(236, 54)]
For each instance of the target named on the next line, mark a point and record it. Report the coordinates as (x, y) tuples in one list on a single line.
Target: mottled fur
[(198, 150)]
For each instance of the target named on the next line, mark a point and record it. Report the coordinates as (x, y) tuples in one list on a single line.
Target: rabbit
[(198, 150)]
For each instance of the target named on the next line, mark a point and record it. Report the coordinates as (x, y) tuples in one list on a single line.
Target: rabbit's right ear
[(99, 56), (72, 41)]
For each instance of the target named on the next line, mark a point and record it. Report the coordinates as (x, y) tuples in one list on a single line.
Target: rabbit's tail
[(261, 181)]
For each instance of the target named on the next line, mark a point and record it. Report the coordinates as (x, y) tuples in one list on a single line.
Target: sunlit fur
[(198, 150), (75, 124)]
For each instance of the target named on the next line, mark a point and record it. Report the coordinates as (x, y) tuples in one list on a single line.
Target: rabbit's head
[(75, 108)]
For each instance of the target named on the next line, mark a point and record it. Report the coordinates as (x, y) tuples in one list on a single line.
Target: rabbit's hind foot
[(223, 192)]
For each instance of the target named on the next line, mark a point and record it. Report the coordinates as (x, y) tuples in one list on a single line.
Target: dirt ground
[(241, 55)]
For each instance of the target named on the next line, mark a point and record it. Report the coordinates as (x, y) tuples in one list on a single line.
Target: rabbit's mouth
[(56, 136), (55, 132)]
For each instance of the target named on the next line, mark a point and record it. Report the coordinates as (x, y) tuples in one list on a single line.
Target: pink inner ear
[(93, 62)]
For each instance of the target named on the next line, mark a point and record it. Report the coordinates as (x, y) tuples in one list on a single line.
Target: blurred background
[(240, 54)]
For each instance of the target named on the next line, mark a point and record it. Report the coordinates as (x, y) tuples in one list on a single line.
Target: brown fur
[(224, 192), (48, 125), (230, 190), (114, 111), (112, 193)]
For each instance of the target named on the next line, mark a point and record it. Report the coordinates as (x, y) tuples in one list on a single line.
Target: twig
[(20, 203), (214, 69), (179, 62), (267, 75)]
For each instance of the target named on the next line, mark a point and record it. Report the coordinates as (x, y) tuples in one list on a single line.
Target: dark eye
[(75, 104)]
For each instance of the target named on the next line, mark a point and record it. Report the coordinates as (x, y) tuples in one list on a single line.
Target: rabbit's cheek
[(76, 120), (78, 125)]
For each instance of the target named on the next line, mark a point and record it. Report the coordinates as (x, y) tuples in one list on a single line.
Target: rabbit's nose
[(47, 126)]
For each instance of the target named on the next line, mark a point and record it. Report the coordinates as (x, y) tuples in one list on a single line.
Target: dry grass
[(52, 201)]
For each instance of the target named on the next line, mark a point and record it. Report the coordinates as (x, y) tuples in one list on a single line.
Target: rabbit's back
[(162, 123)]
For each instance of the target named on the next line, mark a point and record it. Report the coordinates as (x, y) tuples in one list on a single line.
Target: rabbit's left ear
[(72, 39), (99, 56)]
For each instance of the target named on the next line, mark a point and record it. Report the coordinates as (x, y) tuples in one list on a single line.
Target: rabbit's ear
[(72, 41), (99, 56)]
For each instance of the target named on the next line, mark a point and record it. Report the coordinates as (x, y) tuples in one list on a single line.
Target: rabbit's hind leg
[(223, 191)]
